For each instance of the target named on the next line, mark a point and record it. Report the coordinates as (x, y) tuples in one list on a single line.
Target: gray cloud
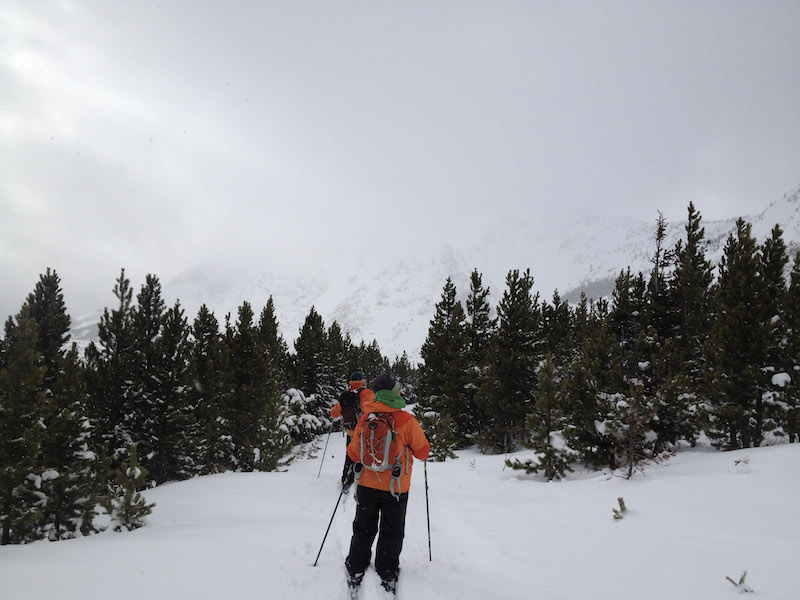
[(157, 135)]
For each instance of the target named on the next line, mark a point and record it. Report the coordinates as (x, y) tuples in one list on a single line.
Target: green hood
[(390, 398)]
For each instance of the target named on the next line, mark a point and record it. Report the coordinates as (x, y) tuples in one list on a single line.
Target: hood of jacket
[(384, 401)]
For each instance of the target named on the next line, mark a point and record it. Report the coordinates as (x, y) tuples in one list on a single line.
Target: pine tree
[(47, 308), (589, 376), (480, 329), (245, 387), (557, 330), (506, 395), (275, 348), (334, 369), (546, 425), (172, 424), (209, 361), (792, 353), (627, 320), (772, 297), (72, 478), (129, 508), (693, 299), (444, 372), (369, 359), (408, 376), (734, 350), (146, 407), (660, 314), (680, 366), (253, 401), (22, 405), (111, 367), (76, 478), (480, 324), (630, 426), (309, 365)]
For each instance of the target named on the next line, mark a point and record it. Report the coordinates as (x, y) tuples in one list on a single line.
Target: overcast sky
[(156, 135)]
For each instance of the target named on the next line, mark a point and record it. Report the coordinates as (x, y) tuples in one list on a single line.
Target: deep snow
[(692, 521)]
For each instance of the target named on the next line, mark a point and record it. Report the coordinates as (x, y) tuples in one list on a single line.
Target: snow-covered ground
[(495, 534)]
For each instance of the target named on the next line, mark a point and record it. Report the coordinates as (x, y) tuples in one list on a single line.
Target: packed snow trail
[(495, 533)]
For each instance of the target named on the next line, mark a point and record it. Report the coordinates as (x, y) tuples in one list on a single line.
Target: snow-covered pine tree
[(110, 369), (441, 431), (76, 479), (173, 424), (771, 405), (145, 406), (68, 476), (301, 425), (631, 426), (680, 364), (792, 353), (128, 508), (593, 371), (311, 374), (22, 405), (546, 425)]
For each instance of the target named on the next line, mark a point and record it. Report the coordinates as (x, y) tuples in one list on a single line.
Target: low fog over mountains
[(391, 296)]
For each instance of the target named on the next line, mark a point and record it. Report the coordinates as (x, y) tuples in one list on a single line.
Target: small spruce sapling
[(741, 586), (129, 509), (619, 513)]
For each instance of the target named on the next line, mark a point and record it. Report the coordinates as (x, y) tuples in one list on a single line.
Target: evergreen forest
[(687, 352)]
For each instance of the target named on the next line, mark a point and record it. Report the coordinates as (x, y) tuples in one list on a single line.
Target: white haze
[(327, 140)]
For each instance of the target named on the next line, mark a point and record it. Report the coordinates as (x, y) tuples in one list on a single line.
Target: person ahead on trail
[(349, 409), (383, 481)]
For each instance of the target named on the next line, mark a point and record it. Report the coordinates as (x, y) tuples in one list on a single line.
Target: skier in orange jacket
[(349, 409), (382, 496)]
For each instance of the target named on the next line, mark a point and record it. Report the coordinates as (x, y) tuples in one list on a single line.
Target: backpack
[(351, 409), (379, 450)]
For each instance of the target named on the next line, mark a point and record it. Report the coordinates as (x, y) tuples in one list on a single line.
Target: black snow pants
[(377, 512)]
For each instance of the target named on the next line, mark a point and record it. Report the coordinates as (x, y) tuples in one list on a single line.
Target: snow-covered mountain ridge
[(394, 304)]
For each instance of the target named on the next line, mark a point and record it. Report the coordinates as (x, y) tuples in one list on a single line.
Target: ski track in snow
[(495, 533)]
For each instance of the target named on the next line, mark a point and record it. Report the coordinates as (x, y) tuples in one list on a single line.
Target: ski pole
[(329, 526), (322, 462), (428, 511)]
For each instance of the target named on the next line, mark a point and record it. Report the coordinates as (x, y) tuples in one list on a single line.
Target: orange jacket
[(409, 435), (365, 394)]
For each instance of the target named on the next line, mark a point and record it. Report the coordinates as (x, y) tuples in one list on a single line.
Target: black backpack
[(351, 409)]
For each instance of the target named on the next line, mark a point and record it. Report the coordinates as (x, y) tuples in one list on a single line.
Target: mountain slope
[(394, 304)]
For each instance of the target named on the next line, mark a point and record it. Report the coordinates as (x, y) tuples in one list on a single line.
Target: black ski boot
[(390, 585), (354, 582)]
